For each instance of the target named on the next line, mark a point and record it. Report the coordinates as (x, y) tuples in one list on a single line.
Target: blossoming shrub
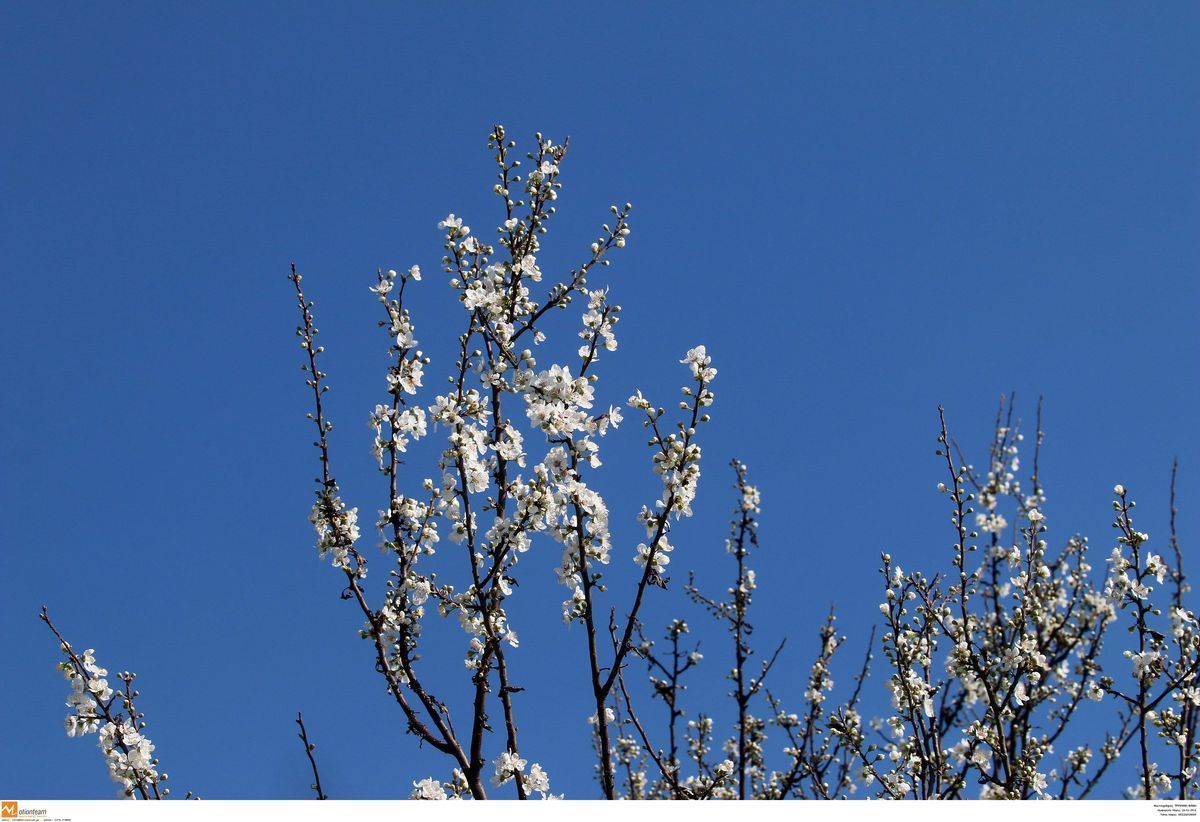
[(986, 666)]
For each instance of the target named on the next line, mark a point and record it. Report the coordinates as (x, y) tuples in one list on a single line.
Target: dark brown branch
[(308, 751)]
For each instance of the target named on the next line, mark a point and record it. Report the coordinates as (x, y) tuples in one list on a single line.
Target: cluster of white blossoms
[(86, 691), (556, 402), (430, 789), (129, 755), (336, 527), (402, 427), (598, 324), (127, 752), (677, 456), (511, 767)]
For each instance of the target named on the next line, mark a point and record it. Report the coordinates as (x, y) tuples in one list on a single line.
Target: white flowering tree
[(987, 666)]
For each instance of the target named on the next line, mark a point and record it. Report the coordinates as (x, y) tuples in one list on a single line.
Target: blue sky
[(863, 210)]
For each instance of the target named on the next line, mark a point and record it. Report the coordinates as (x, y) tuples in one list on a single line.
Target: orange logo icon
[(8, 810)]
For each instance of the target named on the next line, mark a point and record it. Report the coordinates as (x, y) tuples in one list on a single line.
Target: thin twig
[(308, 750)]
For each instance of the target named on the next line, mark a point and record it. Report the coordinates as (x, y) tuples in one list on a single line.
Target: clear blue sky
[(863, 210)]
